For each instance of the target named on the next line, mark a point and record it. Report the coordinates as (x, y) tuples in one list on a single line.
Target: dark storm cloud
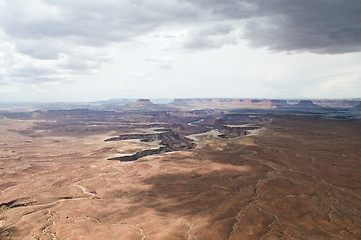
[(320, 26)]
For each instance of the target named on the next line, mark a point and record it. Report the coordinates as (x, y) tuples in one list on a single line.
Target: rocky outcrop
[(140, 154), (142, 136), (169, 141), (231, 132)]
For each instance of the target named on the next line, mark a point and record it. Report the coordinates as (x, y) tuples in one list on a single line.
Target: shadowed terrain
[(298, 178)]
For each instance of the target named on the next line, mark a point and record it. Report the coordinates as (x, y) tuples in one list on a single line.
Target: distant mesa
[(306, 103), (229, 103), (146, 104), (279, 103), (142, 103)]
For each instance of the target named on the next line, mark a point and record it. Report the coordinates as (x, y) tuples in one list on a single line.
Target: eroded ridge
[(168, 141)]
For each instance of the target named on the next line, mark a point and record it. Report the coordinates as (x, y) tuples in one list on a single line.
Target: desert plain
[(292, 176)]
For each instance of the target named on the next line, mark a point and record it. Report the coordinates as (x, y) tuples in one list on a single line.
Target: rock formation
[(169, 141), (140, 154)]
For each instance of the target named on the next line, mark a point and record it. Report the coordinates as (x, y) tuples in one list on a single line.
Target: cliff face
[(170, 141), (139, 154)]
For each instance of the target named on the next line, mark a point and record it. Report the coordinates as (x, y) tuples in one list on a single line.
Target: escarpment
[(169, 141), (140, 154)]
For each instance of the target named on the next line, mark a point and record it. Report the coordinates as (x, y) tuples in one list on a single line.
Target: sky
[(89, 50)]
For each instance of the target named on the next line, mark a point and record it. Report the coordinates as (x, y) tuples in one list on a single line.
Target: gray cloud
[(64, 37), (319, 26), (72, 36), (30, 76), (79, 65), (210, 37), (235, 9), (91, 22), (43, 49)]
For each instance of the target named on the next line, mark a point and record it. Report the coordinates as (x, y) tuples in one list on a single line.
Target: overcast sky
[(88, 50)]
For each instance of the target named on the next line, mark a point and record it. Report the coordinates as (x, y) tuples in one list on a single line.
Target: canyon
[(181, 173)]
